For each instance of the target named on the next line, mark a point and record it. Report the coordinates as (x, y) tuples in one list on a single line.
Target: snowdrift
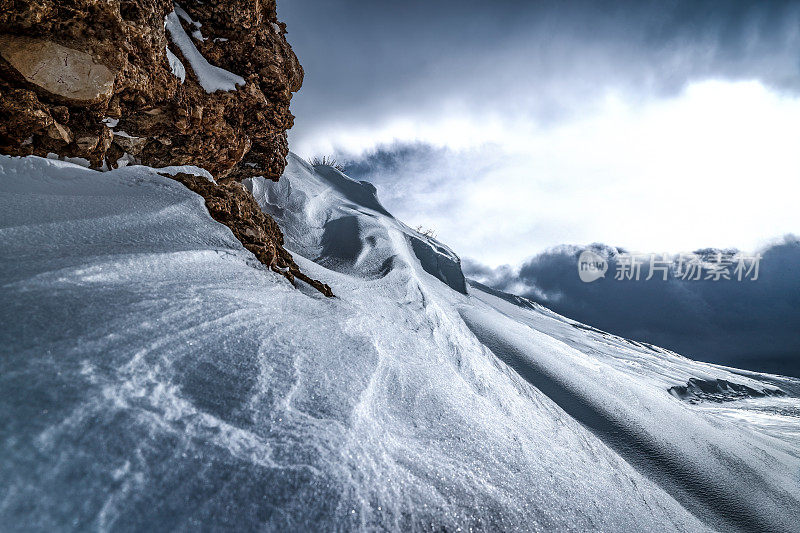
[(155, 375), (338, 222)]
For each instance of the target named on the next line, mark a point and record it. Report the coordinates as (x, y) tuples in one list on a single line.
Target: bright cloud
[(714, 165)]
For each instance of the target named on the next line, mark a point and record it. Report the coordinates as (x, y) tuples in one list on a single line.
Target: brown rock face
[(69, 64), (205, 83)]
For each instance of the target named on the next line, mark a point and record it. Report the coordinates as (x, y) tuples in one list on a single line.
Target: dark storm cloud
[(369, 59), (747, 324)]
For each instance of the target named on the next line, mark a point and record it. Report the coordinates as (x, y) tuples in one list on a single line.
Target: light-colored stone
[(62, 71), (59, 133), (130, 144), (87, 142)]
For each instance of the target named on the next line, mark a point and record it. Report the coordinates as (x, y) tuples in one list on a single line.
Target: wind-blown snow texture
[(154, 375)]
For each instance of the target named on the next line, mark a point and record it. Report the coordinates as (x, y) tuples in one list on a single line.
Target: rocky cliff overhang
[(114, 82)]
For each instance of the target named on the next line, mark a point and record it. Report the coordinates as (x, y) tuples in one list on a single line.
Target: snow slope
[(154, 375)]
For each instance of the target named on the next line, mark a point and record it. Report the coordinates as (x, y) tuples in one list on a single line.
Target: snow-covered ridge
[(156, 376), (339, 222)]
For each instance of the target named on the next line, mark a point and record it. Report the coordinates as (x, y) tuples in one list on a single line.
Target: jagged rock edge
[(229, 203)]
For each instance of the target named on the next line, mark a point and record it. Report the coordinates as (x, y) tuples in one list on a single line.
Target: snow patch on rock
[(210, 77), (175, 64)]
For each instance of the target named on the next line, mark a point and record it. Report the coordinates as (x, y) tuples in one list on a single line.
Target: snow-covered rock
[(210, 77), (154, 375)]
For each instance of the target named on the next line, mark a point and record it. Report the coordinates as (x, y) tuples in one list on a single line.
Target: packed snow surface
[(154, 375)]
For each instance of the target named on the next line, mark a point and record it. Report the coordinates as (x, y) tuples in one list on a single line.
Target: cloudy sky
[(748, 323), (523, 131), (511, 127)]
